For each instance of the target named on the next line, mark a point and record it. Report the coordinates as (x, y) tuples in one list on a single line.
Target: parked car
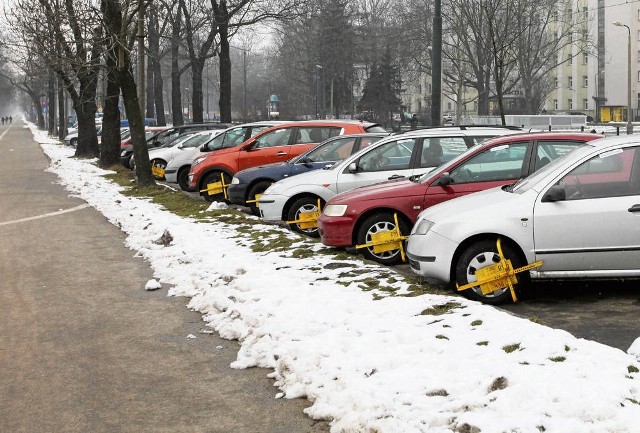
[(276, 144), (394, 157), (186, 143), (353, 217), (71, 138), (126, 148), (249, 183), (168, 135), (177, 169), (578, 215)]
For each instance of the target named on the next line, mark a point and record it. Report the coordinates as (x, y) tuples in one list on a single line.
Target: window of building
[(556, 80), (570, 103), (570, 82), (638, 14), (639, 35), (585, 104), (555, 104), (569, 59), (585, 13), (585, 81), (585, 58), (570, 37), (639, 76)]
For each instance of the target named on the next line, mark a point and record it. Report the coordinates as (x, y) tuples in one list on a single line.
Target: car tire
[(258, 188), (380, 222), (159, 163), (214, 176), (304, 204), (484, 253), (73, 142), (183, 178)]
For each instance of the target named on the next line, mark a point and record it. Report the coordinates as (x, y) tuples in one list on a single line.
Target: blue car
[(249, 183)]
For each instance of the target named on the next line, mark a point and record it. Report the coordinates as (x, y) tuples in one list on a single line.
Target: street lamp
[(318, 68), (629, 124)]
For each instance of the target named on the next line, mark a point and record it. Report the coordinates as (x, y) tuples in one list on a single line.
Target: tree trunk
[(196, 83), (225, 74), (51, 103), (158, 93), (150, 98), (176, 93), (62, 111), (110, 142)]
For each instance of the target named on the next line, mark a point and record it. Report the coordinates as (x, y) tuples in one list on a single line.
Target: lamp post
[(629, 124), (436, 66), (318, 69), (597, 93)]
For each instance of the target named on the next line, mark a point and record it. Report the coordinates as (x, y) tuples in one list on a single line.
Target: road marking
[(47, 215), (7, 130)]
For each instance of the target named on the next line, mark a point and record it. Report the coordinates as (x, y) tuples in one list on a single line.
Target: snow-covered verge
[(367, 364)]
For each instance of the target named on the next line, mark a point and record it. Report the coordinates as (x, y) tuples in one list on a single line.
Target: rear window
[(315, 134)]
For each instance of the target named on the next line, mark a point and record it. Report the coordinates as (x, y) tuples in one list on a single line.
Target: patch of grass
[(567, 348), (302, 253), (438, 393), (535, 319), (498, 384), (370, 283), (122, 176), (482, 343), (438, 310), (558, 359), (476, 323), (442, 337), (511, 347), (632, 369), (633, 400)]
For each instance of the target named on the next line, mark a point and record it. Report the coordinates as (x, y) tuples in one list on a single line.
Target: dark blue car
[(246, 184)]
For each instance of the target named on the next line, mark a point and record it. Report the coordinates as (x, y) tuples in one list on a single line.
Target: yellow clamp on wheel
[(157, 171), (387, 241), (307, 220), (255, 200), (216, 188), (498, 276)]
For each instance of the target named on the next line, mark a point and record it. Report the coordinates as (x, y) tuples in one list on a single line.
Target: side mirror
[(353, 168), (555, 193), (179, 146), (249, 144), (204, 148), (444, 179)]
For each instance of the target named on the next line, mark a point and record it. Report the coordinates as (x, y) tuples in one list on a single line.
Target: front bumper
[(236, 193), (271, 206), (336, 231), (171, 176), (430, 255)]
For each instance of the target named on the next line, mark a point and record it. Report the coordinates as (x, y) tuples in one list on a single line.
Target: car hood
[(381, 191), (251, 172)]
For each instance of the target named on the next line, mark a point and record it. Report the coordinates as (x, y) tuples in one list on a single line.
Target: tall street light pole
[(436, 66), (318, 69), (629, 113)]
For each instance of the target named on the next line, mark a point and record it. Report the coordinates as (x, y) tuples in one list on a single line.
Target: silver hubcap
[(480, 261), (381, 226), (304, 209)]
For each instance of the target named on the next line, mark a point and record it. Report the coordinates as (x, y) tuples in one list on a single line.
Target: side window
[(480, 140), (315, 134), (275, 138), (547, 151), (607, 175), (367, 141), (217, 142), (256, 129), (436, 150), (395, 155), (234, 137), (333, 151), (498, 163)]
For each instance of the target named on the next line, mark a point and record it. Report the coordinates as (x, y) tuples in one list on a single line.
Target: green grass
[(438, 310), (476, 323), (511, 347), (558, 359), (632, 369)]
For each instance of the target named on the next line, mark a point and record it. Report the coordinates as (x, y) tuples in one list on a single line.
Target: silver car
[(579, 216)]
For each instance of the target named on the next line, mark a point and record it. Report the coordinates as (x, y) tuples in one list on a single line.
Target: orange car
[(276, 144)]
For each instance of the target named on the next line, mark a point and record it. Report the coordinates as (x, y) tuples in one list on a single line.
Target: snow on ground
[(370, 365)]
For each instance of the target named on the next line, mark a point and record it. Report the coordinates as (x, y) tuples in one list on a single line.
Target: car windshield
[(528, 182), (427, 177)]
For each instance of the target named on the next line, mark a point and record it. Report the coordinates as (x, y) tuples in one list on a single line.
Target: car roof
[(558, 135), (466, 130)]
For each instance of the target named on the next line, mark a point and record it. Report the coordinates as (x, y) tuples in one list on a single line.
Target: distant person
[(414, 121), (3, 120), (10, 119)]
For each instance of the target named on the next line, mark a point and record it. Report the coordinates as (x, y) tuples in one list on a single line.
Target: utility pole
[(244, 86), (436, 66)]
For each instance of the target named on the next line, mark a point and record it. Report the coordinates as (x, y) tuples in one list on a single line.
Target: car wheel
[(159, 163), (304, 204), (214, 176), (183, 178), (73, 142), (378, 223), (480, 255), (257, 189)]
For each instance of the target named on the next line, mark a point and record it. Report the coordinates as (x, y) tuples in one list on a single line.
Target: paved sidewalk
[(84, 348)]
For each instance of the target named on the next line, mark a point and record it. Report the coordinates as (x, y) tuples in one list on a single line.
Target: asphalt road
[(84, 348)]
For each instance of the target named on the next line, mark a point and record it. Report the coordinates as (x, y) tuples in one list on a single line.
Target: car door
[(270, 147), (595, 230), (391, 160)]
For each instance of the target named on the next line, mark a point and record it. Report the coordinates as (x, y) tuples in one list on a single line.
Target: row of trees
[(328, 57)]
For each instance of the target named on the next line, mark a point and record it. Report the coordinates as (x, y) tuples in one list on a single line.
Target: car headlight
[(235, 181), (422, 227), (335, 210), (198, 161)]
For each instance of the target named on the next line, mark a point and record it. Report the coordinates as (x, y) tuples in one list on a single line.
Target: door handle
[(635, 208), (395, 176), (281, 153)]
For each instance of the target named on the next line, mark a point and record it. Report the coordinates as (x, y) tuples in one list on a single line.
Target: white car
[(394, 157), (186, 144), (579, 215), (177, 169)]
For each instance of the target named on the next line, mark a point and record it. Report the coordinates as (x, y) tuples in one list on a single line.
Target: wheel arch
[(210, 170), (255, 182), (373, 211), (294, 198), (477, 238)]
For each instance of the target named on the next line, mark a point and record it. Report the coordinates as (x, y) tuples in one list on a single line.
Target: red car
[(351, 218), (276, 144)]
